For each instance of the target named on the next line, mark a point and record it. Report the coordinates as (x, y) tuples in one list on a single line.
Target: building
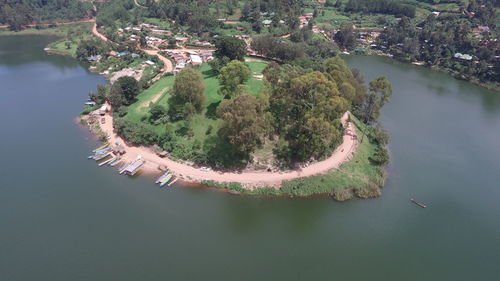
[(181, 40), (463, 56), (195, 60), (161, 31)]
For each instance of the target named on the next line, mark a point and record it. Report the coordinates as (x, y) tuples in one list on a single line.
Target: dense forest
[(471, 34), (17, 13)]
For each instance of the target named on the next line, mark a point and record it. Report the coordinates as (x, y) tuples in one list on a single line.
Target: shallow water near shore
[(64, 218)]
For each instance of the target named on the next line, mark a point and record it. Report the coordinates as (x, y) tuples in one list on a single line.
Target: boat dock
[(127, 168), (132, 168)]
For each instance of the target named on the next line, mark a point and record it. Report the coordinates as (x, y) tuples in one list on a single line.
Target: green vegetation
[(225, 120), (187, 95), (184, 139), (464, 44), (360, 177), (71, 36), (157, 91), (123, 92), (233, 114), (232, 78), (18, 13)]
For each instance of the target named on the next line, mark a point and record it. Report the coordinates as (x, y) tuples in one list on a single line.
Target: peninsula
[(248, 110)]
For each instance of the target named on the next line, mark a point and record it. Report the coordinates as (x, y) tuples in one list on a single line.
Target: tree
[(231, 76), (129, 88), (306, 109), (123, 91), (380, 93), (143, 42), (246, 122), (314, 138), (346, 36), (99, 97), (231, 47), (157, 112), (217, 64), (187, 94), (89, 48)]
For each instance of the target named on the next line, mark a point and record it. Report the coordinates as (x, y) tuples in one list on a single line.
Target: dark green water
[(64, 218)]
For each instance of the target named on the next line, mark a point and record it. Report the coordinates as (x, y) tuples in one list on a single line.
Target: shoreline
[(487, 86), (249, 180)]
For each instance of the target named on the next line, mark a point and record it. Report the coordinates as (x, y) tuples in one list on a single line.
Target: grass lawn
[(159, 92), (140, 108), (162, 24)]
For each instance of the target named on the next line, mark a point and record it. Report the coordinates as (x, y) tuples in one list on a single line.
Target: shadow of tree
[(209, 73), (211, 112), (221, 154)]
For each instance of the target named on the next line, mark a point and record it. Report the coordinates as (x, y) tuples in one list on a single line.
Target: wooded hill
[(17, 13)]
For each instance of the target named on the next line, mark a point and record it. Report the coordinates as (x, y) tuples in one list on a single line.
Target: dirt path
[(154, 99), (99, 35), (232, 22), (249, 179), (168, 66)]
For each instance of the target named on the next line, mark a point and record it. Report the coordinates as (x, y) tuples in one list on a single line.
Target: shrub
[(342, 194)]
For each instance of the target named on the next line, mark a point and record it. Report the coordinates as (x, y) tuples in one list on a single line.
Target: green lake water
[(64, 218)]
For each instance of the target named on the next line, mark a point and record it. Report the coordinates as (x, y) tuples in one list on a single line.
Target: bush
[(134, 132), (89, 109), (380, 135), (371, 190), (342, 194), (381, 156)]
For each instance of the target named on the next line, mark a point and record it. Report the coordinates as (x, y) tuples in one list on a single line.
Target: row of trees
[(192, 13), (303, 48), (392, 7)]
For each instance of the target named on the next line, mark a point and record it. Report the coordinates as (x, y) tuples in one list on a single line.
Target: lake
[(64, 218)]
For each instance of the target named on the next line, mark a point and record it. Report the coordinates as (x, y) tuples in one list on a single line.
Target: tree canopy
[(123, 91), (232, 77), (187, 94), (17, 13), (246, 122), (230, 47)]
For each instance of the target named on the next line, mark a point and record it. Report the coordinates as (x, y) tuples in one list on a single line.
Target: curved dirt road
[(249, 179), (167, 64)]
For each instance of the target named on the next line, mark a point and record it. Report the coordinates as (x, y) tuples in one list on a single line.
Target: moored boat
[(100, 148), (165, 180), (162, 177)]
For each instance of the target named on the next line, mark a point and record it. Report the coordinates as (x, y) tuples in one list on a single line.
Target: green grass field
[(160, 93)]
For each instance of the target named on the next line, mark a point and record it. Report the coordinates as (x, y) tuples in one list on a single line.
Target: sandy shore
[(249, 179)]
